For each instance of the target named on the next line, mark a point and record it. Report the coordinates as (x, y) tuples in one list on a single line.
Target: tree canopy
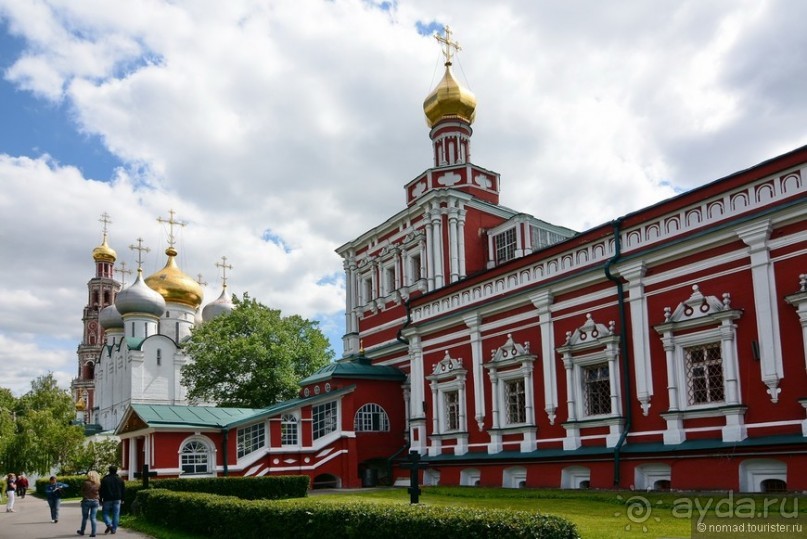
[(252, 357), (36, 430)]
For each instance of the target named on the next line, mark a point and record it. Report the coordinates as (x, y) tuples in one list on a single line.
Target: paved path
[(32, 521)]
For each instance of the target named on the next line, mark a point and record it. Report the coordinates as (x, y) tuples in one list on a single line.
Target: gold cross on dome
[(224, 267), (140, 250), (171, 222), (448, 44), (124, 272)]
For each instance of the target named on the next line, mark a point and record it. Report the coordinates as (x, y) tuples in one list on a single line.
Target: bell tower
[(101, 292)]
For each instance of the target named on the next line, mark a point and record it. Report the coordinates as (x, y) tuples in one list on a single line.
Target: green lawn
[(597, 514)]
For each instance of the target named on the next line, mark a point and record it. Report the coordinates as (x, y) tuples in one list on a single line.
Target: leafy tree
[(42, 433), (253, 356), (97, 454)]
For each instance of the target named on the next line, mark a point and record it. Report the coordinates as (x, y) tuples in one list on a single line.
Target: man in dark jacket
[(111, 494)]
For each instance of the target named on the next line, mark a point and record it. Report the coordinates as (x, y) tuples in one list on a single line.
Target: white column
[(453, 246), (542, 302), (799, 301), (461, 241), (770, 347), (437, 238), (473, 322), (133, 464), (417, 416), (429, 251), (637, 302)]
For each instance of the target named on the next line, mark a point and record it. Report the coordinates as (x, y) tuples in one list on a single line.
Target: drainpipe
[(623, 345), (225, 435), (399, 336)]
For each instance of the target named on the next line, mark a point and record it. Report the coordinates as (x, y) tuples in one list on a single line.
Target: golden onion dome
[(173, 285), (104, 253), (449, 101)]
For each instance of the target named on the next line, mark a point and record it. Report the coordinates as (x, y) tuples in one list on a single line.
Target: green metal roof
[(632, 449), (355, 367), (216, 417)]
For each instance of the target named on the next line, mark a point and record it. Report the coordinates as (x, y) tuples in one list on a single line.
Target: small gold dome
[(449, 101), (173, 285), (104, 253), (80, 405)]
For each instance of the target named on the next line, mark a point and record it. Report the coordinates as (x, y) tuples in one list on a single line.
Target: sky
[(279, 130)]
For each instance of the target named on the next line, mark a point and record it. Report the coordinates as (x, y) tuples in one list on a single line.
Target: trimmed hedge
[(273, 487), (211, 515), (73, 483)]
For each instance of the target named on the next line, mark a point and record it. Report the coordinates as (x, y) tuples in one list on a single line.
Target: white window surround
[(510, 362), (251, 438), (575, 477), (290, 423), (371, 417), (799, 301), (470, 477), (588, 345), (514, 477), (448, 375), (646, 476), (701, 320), (210, 454), (754, 471)]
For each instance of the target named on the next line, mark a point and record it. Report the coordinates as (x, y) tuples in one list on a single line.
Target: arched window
[(289, 430), (371, 418), (194, 458)]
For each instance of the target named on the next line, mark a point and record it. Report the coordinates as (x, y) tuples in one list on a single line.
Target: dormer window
[(505, 245)]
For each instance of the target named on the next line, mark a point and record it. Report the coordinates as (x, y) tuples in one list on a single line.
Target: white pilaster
[(637, 302)]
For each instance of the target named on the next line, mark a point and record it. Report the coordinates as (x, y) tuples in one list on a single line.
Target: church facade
[(511, 352)]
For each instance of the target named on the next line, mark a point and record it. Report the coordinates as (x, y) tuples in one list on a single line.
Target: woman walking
[(89, 501), (11, 491)]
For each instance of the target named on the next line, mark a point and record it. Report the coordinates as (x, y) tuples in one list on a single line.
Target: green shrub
[(274, 487), (73, 483), (212, 515)]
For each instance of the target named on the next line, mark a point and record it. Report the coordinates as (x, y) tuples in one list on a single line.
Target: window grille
[(704, 368), (324, 419), (251, 439), (516, 402), (597, 389), (505, 245), (371, 418), (194, 458), (452, 407), (288, 430)]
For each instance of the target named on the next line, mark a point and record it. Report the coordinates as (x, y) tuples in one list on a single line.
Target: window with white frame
[(414, 268), (389, 280), (516, 404), (324, 419), (451, 401), (195, 457), (597, 389), (289, 429), (366, 290), (251, 439), (704, 373), (505, 245), (543, 238), (371, 418)]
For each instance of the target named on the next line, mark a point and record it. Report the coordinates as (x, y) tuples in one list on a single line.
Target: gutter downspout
[(399, 337), (627, 390), (225, 436)]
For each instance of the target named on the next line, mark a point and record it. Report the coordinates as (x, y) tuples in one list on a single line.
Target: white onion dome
[(110, 318), (174, 285), (222, 305), (139, 298)]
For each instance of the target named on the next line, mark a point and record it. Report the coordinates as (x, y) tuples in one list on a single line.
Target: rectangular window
[(597, 389), (324, 419), (288, 430), (414, 269), (251, 439), (366, 290), (389, 280), (452, 404), (505, 245), (704, 368), (516, 402), (543, 238)]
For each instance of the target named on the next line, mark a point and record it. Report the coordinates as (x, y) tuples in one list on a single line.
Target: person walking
[(22, 485), (89, 501), (111, 494), (11, 491), (54, 492)]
